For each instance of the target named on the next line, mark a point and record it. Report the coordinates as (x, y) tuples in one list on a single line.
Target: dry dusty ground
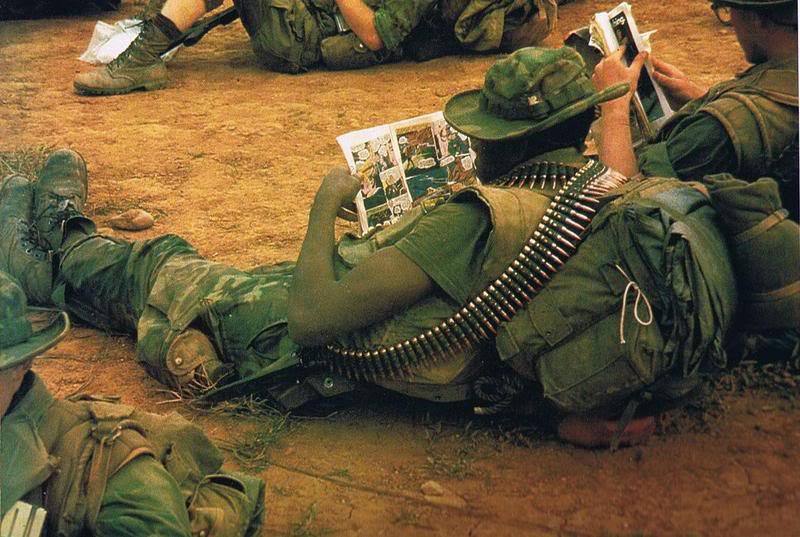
[(230, 155)]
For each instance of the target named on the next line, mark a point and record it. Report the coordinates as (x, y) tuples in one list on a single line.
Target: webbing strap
[(769, 222)]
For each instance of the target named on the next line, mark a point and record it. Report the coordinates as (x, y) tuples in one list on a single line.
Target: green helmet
[(527, 92), (19, 341)]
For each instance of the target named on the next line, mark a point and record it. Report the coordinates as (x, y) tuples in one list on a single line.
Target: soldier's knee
[(284, 34)]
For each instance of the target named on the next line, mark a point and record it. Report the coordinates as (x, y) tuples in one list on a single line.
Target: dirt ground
[(229, 156)]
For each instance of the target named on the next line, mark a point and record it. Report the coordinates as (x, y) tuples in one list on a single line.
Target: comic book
[(617, 28), (405, 163)]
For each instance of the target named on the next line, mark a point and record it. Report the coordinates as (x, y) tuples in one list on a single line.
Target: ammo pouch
[(347, 51), (108, 436), (648, 295)]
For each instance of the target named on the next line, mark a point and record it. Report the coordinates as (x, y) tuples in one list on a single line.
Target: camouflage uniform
[(290, 35), (141, 490), (99, 468)]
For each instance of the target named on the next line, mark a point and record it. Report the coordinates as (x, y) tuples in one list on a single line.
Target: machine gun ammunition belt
[(549, 246)]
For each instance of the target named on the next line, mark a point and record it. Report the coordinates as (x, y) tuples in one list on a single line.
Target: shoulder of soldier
[(774, 80)]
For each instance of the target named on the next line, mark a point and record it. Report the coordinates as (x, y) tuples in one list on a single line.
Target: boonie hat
[(526, 92), (25, 332)]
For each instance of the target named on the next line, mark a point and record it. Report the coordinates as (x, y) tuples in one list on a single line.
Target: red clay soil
[(229, 156)]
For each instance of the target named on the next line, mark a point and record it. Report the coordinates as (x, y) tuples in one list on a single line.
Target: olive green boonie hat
[(527, 92), (25, 332)]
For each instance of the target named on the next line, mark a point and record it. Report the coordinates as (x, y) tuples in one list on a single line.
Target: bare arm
[(321, 307), (361, 19), (615, 144)]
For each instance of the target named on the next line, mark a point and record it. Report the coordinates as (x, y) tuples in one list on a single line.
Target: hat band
[(534, 107)]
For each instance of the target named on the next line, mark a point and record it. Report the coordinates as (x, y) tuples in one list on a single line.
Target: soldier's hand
[(612, 70), (339, 188), (677, 86)]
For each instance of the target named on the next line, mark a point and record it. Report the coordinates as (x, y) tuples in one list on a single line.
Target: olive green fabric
[(511, 215), (27, 445), (449, 245), (481, 24), (659, 237), (765, 247), (139, 483), (527, 92), (18, 340), (157, 288), (287, 35), (741, 126), (142, 499), (396, 19)]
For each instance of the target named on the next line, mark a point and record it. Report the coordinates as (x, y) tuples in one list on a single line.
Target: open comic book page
[(617, 29), (405, 163)]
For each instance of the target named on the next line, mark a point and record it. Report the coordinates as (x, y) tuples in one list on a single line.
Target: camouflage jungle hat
[(526, 92), (18, 339)]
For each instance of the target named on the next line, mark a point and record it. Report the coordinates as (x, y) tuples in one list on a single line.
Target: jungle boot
[(138, 67), (59, 197), (20, 255)]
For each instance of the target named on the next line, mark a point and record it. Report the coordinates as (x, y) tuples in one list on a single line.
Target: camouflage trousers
[(286, 34), (158, 288)]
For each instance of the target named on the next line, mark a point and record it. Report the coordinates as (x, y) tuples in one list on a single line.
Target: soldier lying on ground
[(487, 299), (103, 469), (746, 126), (294, 35)]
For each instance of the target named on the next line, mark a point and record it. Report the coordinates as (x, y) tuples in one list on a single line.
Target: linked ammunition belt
[(555, 239)]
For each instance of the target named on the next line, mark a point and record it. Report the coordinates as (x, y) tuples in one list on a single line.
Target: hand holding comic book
[(413, 162), (616, 35), (612, 70), (339, 186), (677, 86)]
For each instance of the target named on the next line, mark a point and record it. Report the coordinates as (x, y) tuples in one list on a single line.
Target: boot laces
[(136, 46), (63, 210), (28, 240)]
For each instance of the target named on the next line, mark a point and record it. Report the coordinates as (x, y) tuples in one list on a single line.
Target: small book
[(617, 28), (404, 164)]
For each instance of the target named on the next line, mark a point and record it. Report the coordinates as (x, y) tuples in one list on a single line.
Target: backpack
[(645, 300), (95, 439)]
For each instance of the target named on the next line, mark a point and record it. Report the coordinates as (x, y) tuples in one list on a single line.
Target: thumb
[(638, 61)]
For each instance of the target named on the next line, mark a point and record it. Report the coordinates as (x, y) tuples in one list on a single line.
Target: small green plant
[(303, 527), (252, 450)]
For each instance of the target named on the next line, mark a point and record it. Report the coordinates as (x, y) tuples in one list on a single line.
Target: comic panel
[(417, 147), (371, 159)]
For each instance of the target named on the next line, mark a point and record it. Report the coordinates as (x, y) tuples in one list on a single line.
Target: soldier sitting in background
[(102, 469), (746, 126), (294, 35), (559, 285)]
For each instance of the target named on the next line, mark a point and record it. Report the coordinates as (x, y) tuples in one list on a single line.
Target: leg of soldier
[(184, 13), (285, 34), (185, 310), (140, 65)]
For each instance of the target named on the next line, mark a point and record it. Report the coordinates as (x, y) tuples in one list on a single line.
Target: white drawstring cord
[(639, 296)]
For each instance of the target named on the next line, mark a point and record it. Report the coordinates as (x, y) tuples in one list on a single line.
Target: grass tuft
[(24, 161)]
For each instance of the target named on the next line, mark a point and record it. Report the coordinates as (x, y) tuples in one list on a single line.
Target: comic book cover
[(403, 163)]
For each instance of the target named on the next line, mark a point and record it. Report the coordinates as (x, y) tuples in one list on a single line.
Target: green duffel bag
[(645, 300)]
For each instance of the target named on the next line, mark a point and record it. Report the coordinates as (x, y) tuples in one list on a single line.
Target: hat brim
[(464, 113), (56, 327)]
